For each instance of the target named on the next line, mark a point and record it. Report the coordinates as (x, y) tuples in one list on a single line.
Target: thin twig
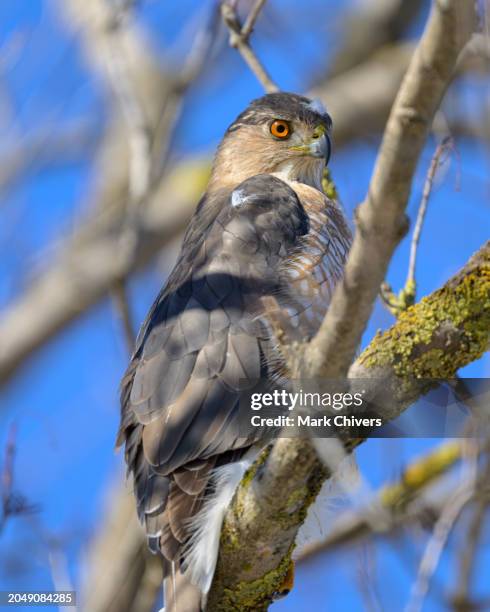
[(239, 40), (366, 575), (140, 158), (58, 565), (443, 146), (12, 504), (8, 475), (199, 54), (137, 123), (407, 295), (249, 24)]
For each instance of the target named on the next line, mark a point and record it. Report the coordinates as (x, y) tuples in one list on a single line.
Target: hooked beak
[(318, 147)]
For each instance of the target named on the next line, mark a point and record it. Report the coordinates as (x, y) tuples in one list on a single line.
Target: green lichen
[(297, 497), (411, 347), (252, 470), (256, 595), (295, 508), (229, 538)]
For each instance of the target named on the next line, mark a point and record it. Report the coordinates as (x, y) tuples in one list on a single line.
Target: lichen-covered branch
[(434, 338), (260, 527), (441, 334)]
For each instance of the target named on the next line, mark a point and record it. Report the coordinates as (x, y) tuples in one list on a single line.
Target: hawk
[(257, 267)]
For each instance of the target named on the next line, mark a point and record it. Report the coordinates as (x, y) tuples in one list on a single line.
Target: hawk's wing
[(205, 339)]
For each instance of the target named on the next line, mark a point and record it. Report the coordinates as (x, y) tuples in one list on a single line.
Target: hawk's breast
[(313, 270)]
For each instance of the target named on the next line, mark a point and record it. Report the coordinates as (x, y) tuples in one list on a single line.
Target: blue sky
[(64, 399)]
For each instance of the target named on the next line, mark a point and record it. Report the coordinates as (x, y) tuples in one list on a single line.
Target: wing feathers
[(209, 335)]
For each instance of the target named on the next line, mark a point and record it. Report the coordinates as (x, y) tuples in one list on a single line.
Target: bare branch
[(381, 220), (434, 165), (239, 40), (139, 129), (140, 158), (252, 17)]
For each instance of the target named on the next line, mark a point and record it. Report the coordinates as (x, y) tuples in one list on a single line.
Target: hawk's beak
[(319, 146)]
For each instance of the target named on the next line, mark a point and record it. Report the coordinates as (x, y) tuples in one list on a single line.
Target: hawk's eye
[(280, 128)]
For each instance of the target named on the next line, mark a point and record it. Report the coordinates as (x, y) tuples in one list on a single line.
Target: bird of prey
[(257, 267)]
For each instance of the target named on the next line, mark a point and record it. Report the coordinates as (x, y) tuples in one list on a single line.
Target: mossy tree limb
[(261, 525), (434, 338)]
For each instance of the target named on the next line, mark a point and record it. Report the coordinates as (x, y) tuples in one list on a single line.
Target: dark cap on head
[(283, 105)]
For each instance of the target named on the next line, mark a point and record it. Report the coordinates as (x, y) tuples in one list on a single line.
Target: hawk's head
[(281, 133)]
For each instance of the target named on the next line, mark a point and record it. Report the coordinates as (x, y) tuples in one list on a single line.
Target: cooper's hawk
[(261, 254)]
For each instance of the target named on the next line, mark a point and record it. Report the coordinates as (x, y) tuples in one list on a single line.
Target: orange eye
[(280, 128)]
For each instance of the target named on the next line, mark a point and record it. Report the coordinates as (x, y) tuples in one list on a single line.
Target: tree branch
[(369, 26), (453, 329), (252, 521), (402, 500), (381, 221), (443, 527), (461, 599), (61, 293), (239, 39), (87, 271)]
